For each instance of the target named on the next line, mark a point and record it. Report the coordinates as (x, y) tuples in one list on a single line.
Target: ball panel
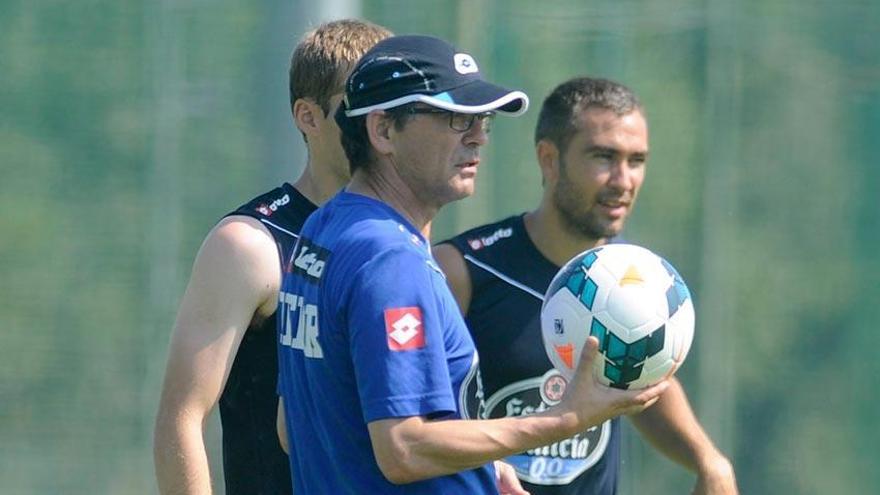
[(684, 322), (564, 331), (588, 295), (631, 306)]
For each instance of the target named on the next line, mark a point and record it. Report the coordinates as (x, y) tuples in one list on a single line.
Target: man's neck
[(391, 191), (318, 188), (552, 239)]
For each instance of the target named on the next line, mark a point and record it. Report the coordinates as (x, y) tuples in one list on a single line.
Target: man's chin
[(611, 230), (464, 188), (465, 193), (456, 194), (596, 231)]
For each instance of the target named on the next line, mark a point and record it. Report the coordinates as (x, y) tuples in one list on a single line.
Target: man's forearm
[(411, 449), (181, 460), (672, 428), (437, 448)]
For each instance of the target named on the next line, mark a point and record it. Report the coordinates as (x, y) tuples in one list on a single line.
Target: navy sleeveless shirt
[(509, 277), (253, 462)]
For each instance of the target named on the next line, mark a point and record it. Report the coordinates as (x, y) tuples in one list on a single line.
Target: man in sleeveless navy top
[(223, 348), (592, 148)]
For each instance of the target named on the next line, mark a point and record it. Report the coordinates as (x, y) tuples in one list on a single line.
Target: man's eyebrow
[(595, 148)]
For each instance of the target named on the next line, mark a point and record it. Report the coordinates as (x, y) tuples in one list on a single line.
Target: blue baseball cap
[(410, 68)]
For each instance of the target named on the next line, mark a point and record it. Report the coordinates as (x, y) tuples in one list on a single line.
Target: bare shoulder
[(458, 278), (242, 233), (239, 258), (449, 258)]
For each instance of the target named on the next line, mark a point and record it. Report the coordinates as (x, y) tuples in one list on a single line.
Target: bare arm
[(458, 279), (281, 427), (671, 427), (414, 448), (235, 277)]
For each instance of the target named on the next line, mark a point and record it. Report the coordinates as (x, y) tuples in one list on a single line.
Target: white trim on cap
[(493, 106)]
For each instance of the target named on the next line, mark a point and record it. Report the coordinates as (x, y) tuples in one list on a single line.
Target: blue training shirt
[(368, 330)]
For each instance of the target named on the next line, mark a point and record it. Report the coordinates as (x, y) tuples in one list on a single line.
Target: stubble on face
[(582, 194), (579, 215)]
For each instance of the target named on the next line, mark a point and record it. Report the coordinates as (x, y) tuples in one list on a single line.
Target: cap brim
[(481, 96), (474, 97)]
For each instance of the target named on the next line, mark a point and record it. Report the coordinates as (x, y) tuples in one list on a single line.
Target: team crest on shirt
[(553, 388), (404, 328)]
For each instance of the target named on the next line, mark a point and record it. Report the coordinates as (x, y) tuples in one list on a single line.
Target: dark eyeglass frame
[(458, 122)]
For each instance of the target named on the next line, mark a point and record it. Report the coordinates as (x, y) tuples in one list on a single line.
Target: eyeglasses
[(459, 122)]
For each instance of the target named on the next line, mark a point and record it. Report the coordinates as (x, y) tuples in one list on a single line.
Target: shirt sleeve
[(397, 338)]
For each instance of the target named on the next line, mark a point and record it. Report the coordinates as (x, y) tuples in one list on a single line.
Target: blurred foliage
[(128, 128)]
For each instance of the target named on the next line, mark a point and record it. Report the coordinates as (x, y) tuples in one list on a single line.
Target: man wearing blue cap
[(373, 351)]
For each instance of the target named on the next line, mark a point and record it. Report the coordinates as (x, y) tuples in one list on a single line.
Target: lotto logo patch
[(404, 328), (269, 209), (465, 64), (478, 243)]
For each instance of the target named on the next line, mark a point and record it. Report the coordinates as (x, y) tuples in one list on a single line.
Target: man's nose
[(476, 135), (621, 175)]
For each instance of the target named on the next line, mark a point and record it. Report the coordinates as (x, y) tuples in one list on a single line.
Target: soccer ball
[(633, 301)]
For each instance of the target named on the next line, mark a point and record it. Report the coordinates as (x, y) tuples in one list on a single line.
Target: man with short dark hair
[(592, 148), (374, 354), (223, 346)]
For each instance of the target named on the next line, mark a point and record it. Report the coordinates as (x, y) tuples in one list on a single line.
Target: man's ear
[(548, 160), (379, 129), (305, 116)]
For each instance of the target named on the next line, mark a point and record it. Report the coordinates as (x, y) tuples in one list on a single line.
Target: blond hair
[(325, 55)]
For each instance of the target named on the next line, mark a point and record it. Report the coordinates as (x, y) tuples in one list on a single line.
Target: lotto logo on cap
[(465, 64), (404, 328)]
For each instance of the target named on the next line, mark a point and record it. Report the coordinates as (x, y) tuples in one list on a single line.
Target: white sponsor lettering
[(557, 463), (305, 315), (309, 262), (576, 447), (515, 408), (482, 242), (546, 467), (278, 203), (272, 207)]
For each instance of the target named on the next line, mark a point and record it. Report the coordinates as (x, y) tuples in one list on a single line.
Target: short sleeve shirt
[(369, 331)]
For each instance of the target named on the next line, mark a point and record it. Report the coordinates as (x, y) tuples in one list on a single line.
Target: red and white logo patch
[(404, 328)]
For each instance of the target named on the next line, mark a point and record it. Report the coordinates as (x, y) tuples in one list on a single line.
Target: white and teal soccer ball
[(633, 301)]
